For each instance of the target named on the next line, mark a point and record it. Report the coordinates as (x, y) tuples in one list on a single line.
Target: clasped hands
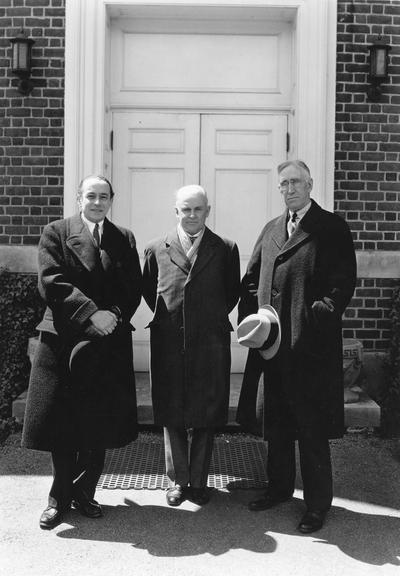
[(102, 323)]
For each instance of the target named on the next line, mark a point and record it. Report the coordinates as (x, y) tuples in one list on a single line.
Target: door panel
[(154, 154), (239, 156)]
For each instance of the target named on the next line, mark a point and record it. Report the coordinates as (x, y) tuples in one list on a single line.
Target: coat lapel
[(81, 243), (279, 233), (110, 252), (204, 255), (175, 251), (307, 225)]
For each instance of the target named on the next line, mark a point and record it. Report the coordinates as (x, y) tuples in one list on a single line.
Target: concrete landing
[(362, 414)]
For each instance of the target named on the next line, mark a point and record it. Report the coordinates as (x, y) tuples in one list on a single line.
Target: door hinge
[(287, 141), (112, 140)]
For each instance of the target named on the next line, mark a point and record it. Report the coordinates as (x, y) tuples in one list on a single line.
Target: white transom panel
[(184, 69)]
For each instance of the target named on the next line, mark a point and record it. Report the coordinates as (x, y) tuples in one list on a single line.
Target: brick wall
[(367, 318), (31, 127), (367, 167), (368, 134)]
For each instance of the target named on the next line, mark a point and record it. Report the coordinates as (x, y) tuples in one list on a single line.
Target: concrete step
[(362, 414)]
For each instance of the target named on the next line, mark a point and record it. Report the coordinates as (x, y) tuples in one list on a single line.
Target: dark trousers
[(315, 465), (187, 458), (75, 475)]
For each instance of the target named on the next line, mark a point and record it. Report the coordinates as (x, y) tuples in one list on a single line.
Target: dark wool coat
[(190, 329), (75, 282), (309, 279)]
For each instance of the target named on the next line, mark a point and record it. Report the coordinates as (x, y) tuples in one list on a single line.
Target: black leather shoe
[(50, 517), (88, 508), (311, 521), (176, 495), (269, 500), (199, 496)]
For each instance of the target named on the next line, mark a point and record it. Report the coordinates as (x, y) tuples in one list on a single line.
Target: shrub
[(21, 309), (391, 397)]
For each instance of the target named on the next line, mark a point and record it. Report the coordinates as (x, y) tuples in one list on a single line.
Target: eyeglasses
[(295, 182)]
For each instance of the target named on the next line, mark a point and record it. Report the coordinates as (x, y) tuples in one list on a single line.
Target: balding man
[(191, 282)]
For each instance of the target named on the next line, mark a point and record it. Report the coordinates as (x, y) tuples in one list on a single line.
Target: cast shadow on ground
[(226, 524)]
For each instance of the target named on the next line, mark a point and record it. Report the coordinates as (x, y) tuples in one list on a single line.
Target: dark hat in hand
[(86, 364), (261, 331)]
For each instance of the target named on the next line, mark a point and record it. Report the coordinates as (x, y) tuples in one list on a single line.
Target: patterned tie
[(96, 235), (291, 225)]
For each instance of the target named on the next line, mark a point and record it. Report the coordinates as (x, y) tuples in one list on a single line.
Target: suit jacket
[(190, 329), (76, 280), (309, 279)]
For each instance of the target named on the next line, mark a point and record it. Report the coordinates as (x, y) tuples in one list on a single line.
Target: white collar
[(182, 233), (189, 248), (91, 224), (300, 213)]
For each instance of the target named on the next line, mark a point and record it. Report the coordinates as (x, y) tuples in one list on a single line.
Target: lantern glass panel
[(380, 63), (20, 56)]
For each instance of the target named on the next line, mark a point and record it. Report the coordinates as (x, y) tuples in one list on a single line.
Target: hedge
[(21, 309)]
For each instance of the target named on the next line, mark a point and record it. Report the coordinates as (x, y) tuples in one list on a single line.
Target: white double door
[(234, 157)]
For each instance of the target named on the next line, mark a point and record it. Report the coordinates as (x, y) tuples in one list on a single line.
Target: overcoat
[(309, 279), (76, 280), (190, 329)]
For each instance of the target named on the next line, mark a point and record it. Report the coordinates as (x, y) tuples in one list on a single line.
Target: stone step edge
[(362, 414)]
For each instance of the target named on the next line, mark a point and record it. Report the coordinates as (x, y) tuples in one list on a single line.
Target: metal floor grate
[(237, 462)]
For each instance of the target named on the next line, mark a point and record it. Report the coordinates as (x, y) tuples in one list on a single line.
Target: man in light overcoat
[(304, 265), (82, 396), (191, 281)]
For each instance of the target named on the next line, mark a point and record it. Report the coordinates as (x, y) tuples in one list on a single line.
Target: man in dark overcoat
[(82, 396), (304, 265), (191, 281)]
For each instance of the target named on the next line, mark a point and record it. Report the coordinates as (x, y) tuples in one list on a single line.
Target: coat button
[(274, 292)]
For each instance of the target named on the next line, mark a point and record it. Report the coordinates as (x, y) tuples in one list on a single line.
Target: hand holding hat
[(261, 331)]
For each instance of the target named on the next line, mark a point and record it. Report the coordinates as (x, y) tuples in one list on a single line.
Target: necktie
[(192, 239), (96, 235), (291, 225)]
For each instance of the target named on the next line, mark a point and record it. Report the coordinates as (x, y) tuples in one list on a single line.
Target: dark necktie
[(291, 226), (96, 235), (192, 239)]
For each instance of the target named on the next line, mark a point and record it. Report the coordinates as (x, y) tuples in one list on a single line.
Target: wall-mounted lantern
[(21, 61), (378, 68)]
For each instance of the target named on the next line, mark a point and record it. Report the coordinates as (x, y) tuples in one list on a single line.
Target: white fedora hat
[(261, 331)]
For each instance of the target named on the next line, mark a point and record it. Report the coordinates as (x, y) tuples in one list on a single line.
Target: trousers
[(75, 475), (315, 465), (188, 456)]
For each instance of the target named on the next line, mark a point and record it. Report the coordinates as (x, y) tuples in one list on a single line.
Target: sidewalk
[(140, 535)]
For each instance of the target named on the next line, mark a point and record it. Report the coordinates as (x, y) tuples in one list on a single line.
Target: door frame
[(87, 117)]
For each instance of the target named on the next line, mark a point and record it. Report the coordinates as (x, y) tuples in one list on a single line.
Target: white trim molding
[(370, 264), (87, 82)]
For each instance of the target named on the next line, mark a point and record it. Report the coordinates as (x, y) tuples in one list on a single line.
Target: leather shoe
[(175, 495), (50, 517), (89, 508), (269, 500), (199, 496), (312, 521)]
